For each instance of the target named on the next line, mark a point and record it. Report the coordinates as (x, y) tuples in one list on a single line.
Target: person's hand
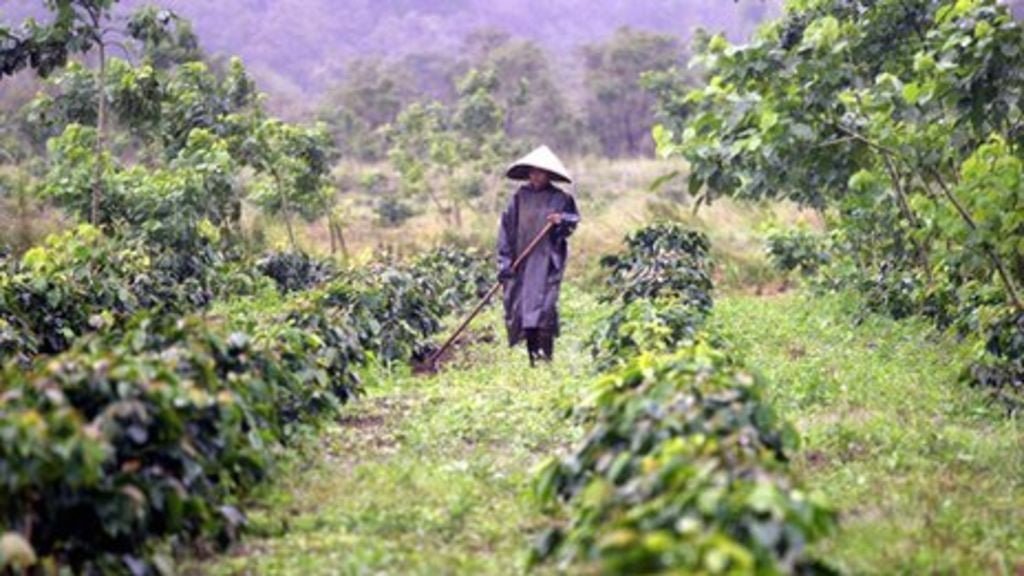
[(555, 218)]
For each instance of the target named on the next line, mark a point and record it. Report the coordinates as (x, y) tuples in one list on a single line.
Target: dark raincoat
[(531, 296)]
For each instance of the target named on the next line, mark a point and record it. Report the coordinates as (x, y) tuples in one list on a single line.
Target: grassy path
[(927, 477), (428, 475), (432, 475)]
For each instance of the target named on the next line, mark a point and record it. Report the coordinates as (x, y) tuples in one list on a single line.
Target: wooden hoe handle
[(490, 293)]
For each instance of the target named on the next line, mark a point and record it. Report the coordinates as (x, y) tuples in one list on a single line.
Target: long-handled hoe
[(430, 364)]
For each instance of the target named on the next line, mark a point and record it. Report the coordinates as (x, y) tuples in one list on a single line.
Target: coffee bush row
[(683, 468), (131, 428)]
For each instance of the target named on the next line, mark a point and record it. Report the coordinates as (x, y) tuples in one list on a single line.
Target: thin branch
[(1011, 289), (835, 142), (861, 138), (904, 205)]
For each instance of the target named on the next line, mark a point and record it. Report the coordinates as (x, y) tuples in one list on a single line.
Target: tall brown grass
[(614, 197)]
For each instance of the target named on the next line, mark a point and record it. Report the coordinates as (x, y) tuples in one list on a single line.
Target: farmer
[(531, 290)]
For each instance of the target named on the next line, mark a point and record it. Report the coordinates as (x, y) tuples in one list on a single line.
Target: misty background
[(298, 47), (411, 104)]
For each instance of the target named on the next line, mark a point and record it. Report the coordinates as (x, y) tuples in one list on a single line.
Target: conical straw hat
[(543, 158)]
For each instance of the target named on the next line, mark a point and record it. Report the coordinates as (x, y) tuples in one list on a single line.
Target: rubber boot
[(533, 349), (547, 346)]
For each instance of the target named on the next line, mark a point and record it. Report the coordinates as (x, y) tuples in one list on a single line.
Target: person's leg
[(547, 345), (532, 345)]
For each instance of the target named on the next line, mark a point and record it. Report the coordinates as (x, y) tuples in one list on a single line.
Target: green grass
[(928, 478), (433, 475), (427, 475)]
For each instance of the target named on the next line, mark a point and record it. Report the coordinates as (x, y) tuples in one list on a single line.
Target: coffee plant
[(662, 286), (83, 281), (293, 271), (461, 276), (684, 465), (662, 260), (999, 369), (684, 469), (112, 445), (796, 250), (658, 325), (78, 282), (146, 425), (393, 310)]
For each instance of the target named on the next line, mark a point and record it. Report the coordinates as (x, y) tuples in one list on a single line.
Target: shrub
[(662, 260), (392, 309), (83, 281), (323, 352), (643, 325), (154, 429), (892, 290), (293, 271), (663, 287), (79, 282), (116, 444), (392, 211), (683, 470), (796, 250), (684, 466), (999, 370), (125, 439), (459, 277)]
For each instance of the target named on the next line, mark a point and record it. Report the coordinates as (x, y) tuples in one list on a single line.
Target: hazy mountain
[(299, 47)]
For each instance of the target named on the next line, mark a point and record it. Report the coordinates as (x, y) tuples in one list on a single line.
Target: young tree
[(440, 152), (80, 26), (93, 13), (902, 116), (479, 121), (77, 26), (620, 110), (420, 141), (166, 39), (154, 113), (372, 95), (296, 163), (535, 105)]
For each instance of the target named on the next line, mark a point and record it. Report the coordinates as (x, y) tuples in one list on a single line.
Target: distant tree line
[(608, 111), (132, 113), (159, 142)]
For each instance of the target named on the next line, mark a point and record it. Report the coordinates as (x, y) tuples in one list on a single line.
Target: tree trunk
[(627, 133), (920, 250), (24, 241), (338, 236), (286, 207), (101, 129), (997, 262), (437, 202)]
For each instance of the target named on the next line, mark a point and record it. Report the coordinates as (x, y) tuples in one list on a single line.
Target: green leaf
[(912, 92), (982, 29), (664, 140), (35, 258), (663, 179), (822, 33)]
